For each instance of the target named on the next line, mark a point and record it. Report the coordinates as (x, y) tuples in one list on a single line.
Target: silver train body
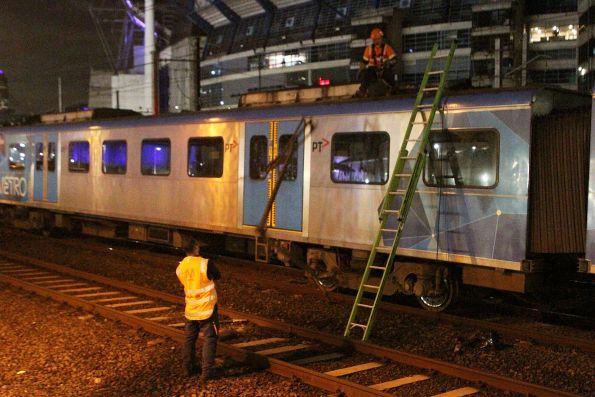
[(499, 194)]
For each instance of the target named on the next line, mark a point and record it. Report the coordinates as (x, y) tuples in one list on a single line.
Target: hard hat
[(376, 33)]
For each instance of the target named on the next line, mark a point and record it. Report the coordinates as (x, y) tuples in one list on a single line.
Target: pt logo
[(229, 146), (319, 145)]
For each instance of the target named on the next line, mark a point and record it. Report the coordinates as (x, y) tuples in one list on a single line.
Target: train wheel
[(439, 302), (327, 283)]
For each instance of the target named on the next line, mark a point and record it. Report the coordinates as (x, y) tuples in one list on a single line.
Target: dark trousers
[(210, 331), (369, 76)]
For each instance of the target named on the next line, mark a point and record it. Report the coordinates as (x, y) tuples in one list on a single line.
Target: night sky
[(42, 40)]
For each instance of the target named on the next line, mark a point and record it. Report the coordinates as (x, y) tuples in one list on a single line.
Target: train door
[(45, 173), (263, 143)]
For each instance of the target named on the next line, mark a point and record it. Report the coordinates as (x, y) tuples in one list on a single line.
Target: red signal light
[(323, 82)]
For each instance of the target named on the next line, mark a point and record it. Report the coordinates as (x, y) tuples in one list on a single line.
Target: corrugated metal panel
[(289, 3), (558, 182), (245, 8), (213, 16)]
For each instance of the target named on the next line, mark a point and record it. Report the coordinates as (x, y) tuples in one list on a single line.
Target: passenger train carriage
[(504, 190)]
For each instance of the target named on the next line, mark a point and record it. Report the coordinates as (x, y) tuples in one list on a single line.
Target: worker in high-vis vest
[(197, 275), (377, 64)]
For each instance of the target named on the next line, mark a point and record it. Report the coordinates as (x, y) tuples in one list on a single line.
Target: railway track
[(323, 360), (535, 335), (121, 248)]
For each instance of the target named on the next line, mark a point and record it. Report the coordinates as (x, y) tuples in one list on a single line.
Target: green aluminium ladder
[(395, 189)]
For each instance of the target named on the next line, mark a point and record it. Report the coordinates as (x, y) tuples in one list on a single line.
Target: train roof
[(540, 100)]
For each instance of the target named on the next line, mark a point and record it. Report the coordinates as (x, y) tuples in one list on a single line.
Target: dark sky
[(42, 40)]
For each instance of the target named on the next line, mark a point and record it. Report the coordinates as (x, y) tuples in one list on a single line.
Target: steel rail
[(544, 338), (448, 369), (282, 368)]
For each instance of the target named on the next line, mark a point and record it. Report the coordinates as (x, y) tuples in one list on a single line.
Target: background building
[(248, 45)]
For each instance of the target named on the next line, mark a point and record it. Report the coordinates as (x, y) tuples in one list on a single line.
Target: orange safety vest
[(377, 56), (201, 296)]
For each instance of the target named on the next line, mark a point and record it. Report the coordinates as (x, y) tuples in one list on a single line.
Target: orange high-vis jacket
[(201, 296), (376, 56)]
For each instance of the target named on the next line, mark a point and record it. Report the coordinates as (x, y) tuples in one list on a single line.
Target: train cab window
[(113, 159), (360, 158), (155, 157), (78, 156), (259, 157), (291, 174), (39, 156), (17, 154), (205, 157), (463, 158), (51, 156)]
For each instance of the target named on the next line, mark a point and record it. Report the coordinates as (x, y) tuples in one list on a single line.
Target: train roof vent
[(298, 95)]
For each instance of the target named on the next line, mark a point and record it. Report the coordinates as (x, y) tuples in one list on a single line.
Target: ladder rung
[(389, 230), (377, 267), (425, 106), (408, 158), (391, 211), (398, 193), (440, 56), (403, 175), (353, 325), (431, 89), (364, 305), (371, 286), (436, 72)]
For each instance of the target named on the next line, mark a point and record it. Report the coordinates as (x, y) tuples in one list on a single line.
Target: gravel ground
[(557, 367), (50, 349)]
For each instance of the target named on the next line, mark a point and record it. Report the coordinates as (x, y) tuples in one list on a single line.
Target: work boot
[(193, 370)]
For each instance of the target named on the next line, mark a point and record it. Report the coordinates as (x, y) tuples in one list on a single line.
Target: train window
[(51, 156), (78, 156), (360, 157), (39, 156), (17, 154), (113, 159), (155, 157), (291, 174), (462, 158), (205, 157), (259, 157)]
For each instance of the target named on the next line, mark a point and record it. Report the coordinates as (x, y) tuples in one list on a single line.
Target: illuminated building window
[(114, 157), (78, 156), (462, 158), (540, 34), (205, 157), (286, 58), (17, 153), (155, 157), (360, 158), (289, 22)]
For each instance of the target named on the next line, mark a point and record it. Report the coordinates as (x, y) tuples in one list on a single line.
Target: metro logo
[(13, 186)]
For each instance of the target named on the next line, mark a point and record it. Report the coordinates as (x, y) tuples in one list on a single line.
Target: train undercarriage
[(434, 284)]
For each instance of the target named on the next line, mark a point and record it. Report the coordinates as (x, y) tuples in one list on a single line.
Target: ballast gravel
[(561, 368), (48, 349)]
